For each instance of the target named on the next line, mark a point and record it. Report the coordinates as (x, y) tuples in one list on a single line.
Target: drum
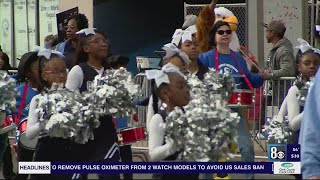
[(241, 98), (24, 140), (8, 125), (131, 135)]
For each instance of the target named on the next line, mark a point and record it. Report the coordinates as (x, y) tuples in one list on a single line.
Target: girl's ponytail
[(155, 97)]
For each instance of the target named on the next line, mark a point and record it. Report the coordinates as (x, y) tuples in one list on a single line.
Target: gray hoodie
[(281, 60)]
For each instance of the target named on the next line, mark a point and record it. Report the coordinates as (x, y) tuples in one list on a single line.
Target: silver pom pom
[(7, 92), (67, 114), (277, 130), (303, 91), (115, 91), (206, 126)]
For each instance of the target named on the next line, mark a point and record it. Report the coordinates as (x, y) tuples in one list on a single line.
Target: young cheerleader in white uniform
[(51, 70), (172, 89), (91, 61)]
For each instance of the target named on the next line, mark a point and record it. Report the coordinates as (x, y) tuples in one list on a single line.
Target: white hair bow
[(46, 52), (181, 35), (171, 68), (171, 50), (87, 31), (192, 29), (160, 76), (305, 46)]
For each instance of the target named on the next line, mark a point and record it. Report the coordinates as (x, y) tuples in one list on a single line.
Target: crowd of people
[(85, 54)]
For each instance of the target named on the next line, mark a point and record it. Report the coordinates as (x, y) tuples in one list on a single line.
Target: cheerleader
[(91, 60), (309, 139), (307, 64), (307, 61), (179, 60), (189, 45), (172, 89), (176, 57), (52, 69)]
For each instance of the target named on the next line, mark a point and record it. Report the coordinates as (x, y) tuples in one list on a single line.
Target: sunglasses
[(221, 32)]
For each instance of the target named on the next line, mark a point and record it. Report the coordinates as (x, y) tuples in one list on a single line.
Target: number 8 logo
[(273, 153)]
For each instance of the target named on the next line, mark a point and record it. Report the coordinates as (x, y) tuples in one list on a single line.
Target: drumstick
[(249, 60)]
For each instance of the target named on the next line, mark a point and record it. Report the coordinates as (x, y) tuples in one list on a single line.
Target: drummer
[(222, 59), (28, 74), (225, 60)]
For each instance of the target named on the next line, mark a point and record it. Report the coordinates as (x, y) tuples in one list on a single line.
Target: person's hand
[(213, 4), (264, 74), (50, 39)]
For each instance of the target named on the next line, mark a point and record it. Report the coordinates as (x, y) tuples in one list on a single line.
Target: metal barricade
[(267, 105), (140, 149)]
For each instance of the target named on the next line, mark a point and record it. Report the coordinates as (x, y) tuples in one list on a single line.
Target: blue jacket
[(227, 63), (310, 132)]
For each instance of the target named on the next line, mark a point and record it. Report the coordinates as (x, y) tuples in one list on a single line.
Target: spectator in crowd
[(68, 47), (4, 61), (280, 62)]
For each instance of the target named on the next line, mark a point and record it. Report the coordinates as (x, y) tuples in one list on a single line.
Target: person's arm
[(287, 65), (33, 128), (49, 41), (254, 78), (283, 110), (75, 78), (150, 112), (158, 151), (309, 133), (293, 106), (144, 102)]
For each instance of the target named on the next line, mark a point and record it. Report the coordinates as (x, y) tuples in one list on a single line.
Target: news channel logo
[(277, 152), (286, 168)]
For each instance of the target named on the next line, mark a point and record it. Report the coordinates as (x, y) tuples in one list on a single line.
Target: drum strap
[(216, 55), (23, 99)]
